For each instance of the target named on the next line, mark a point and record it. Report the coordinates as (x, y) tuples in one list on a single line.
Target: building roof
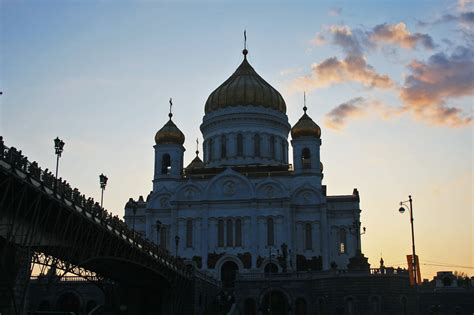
[(245, 87), (169, 134)]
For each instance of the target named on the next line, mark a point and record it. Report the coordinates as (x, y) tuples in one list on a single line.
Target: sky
[(391, 83)]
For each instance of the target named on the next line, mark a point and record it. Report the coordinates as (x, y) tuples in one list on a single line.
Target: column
[(324, 238)]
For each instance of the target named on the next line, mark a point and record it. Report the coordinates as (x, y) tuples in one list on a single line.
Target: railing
[(306, 275), (64, 278), (87, 206)]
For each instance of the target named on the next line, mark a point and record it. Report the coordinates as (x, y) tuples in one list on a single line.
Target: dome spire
[(245, 51), (169, 133), (171, 105), (304, 102), (197, 146)]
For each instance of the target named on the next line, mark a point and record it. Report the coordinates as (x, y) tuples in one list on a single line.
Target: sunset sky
[(391, 84)]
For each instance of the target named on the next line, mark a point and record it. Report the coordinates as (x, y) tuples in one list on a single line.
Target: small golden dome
[(245, 87), (305, 127), (169, 134)]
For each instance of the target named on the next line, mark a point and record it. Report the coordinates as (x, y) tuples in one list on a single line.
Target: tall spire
[(304, 102), (171, 105), (245, 51)]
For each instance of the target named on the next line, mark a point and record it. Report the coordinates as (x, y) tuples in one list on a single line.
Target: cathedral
[(246, 207)]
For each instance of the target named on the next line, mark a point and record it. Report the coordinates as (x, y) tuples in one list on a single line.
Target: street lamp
[(58, 148), (176, 240), (355, 230), (103, 182), (158, 227), (409, 205)]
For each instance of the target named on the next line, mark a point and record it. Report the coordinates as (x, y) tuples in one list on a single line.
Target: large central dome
[(245, 87)]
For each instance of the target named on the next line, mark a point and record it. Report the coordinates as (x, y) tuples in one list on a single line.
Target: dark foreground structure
[(378, 291), (90, 262), (45, 224)]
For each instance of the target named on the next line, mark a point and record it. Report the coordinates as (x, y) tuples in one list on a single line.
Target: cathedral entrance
[(228, 273), (274, 303)]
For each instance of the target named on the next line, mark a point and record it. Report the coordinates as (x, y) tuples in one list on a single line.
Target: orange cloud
[(398, 34), (333, 71), (431, 84), (356, 108)]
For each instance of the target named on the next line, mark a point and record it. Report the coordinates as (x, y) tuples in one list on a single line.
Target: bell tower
[(306, 143), (169, 150)]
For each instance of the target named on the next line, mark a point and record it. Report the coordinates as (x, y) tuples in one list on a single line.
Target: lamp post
[(58, 148), (355, 230), (270, 248), (103, 182), (176, 241), (409, 204), (158, 227)]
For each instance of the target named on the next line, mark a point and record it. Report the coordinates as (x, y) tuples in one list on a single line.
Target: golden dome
[(305, 127), (245, 87), (169, 134)]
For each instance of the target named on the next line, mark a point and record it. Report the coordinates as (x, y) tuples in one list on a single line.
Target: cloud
[(431, 84), (356, 108), (398, 34), (465, 19), (463, 4), (335, 11), (288, 71), (343, 36), (350, 69), (318, 40)]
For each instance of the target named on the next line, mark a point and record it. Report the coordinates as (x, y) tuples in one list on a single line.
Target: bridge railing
[(88, 207)]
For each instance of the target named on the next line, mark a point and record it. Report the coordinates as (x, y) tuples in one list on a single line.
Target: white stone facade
[(247, 200)]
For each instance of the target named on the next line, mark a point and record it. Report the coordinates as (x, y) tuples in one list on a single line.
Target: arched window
[(270, 235), (447, 281), (403, 305), (349, 306), (223, 147), (165, 164), (321, 306), (220, 233), (270, 268), (300, 307), (256, 145), (306, 158), (375, 305), (308, 236), (210, 148), (272, 146), (342, 241), (238, 232), (240, 145), (230, 232), (164, 237), (189, 233)]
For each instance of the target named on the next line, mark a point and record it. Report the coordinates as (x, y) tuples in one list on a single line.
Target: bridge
[(45, 222)]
